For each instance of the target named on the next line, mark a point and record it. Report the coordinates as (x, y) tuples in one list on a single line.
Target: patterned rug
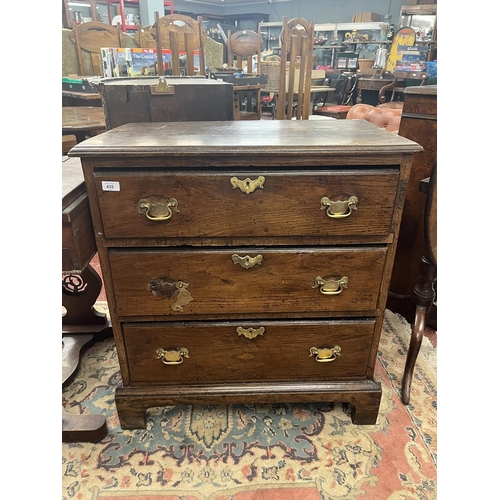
[(258, 452)]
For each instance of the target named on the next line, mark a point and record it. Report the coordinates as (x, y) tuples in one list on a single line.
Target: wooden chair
[(241, 47), (297, 39), (338, 103), (423, 294), (144, 38), (90, 37), (179, 33), (398, 85)]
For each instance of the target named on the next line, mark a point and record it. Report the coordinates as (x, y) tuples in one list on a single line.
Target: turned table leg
[(422, 297)]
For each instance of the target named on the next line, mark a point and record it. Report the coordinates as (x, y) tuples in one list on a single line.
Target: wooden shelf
[(92, 5), (369, 42), (328, 47)]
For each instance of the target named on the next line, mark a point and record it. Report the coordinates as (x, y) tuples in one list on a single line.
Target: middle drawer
[(247, 281)]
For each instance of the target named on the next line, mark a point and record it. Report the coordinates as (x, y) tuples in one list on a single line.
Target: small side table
[(72, 98), (81, 286), (83, 121)]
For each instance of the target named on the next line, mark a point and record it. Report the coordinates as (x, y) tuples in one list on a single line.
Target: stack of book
[(412, 58), (134, 62)]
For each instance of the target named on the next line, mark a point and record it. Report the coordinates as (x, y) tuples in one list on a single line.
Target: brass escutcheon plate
[(247, 262), (248, 185), (250, 333), (163, 88)]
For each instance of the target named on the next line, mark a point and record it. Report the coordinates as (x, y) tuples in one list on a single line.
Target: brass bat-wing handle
[(173, 356), (325, 354), (158, 208), (339, 209), (330, 286), (165, 288)]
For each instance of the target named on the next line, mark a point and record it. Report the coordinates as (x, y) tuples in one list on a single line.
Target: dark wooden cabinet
[(246, 261), (418, 123)]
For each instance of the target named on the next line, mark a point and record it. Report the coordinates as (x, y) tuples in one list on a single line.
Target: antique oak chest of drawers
[(246, 261)]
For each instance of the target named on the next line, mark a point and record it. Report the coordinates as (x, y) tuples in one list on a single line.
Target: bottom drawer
[(197, 352)]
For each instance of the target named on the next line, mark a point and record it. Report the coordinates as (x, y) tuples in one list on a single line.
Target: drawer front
[(172, 353), (165, 204), (230, 281)]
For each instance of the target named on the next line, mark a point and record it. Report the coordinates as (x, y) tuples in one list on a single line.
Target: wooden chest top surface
[(234, 138), (147, 81), (429, 90)]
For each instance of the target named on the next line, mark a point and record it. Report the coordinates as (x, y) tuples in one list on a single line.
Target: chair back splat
[(242, 46), (90, 37), (295, 84), (179, 33)]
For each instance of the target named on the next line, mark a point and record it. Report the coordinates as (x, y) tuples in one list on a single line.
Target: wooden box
[(127, 100)]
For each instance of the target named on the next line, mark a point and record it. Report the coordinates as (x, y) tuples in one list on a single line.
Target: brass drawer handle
[(325, 354), (250, 333), (172, 357), (339, 209), (158, 209), (330, 286), (247, 185), (164, 288), (247, 262)]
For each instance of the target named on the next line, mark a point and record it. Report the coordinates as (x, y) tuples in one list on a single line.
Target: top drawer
[(195, 204)]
